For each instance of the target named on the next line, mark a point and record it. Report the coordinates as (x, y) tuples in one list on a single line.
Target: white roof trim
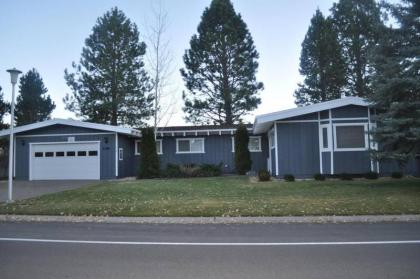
[(71, 122), (264, 121)]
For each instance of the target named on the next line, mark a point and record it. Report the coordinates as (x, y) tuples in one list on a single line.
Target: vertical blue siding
[(298, 148)]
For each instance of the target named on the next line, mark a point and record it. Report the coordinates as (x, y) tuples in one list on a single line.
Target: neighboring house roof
[(263, 122), (71, 122), (201, 127)]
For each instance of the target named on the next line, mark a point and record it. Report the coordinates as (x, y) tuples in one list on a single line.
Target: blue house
[(329, 138)]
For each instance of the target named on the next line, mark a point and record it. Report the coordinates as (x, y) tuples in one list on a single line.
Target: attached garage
[(65, 149), (69, 160)]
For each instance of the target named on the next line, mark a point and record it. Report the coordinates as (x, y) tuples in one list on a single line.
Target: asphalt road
[(209, 251)]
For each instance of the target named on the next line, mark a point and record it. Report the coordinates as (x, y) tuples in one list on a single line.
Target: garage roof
[(71, 122), (263, 122)]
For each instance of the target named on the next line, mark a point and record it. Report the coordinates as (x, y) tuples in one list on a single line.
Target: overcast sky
[(49, 34)]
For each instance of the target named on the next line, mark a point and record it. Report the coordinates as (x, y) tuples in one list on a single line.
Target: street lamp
[(14, 73)]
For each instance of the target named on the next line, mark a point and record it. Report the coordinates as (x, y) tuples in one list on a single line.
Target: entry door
[(64, 160)]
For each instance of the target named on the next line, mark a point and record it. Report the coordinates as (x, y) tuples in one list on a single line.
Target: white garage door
[(72, 160)]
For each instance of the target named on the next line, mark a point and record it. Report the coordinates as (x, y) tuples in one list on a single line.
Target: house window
[(193, 145), (120, 154), (254, 144), (350, 137), (158, 147), (137, 147), (272, 140), (325, 137)]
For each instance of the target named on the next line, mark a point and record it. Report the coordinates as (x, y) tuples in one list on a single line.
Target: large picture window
[(350, 137), (192, 145)]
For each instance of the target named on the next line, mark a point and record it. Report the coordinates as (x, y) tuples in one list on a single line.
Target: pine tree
[(149, 165), (243, 161), (33, 104), (397, 84), (358, 23), (110, 84), (220, 68), (321, 63), (4, 109)]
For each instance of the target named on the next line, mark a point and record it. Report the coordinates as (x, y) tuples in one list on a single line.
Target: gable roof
[(71, 122), (264, 121)]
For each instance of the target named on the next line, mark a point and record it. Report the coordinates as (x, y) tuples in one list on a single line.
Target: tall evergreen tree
[(110, 84), (220, 68), (321, 63), (149, 164), (358, 23), (4, 109), (243, 160), (33, 104), (397, 84)]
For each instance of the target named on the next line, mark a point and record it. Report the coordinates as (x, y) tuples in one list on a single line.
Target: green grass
[(228, 196)]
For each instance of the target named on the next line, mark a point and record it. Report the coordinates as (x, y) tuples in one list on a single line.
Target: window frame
[(190, 152), (136, 149), (366, 137), (259, 139), (321, 137), (120, 154)]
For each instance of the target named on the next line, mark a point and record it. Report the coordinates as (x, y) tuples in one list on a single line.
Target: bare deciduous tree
[(160, 64)]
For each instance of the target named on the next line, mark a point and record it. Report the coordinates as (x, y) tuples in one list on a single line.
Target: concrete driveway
[(29, 189)]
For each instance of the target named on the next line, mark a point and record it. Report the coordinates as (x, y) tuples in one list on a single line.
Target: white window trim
[(190, 152), (136, 150), (160, 146), (120, 154), (271, 144), (321, 138), (259, 144), (259, 150), (365, 128)]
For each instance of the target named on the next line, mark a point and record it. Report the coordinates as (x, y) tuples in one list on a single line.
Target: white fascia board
[(262, 122), (76, 123)]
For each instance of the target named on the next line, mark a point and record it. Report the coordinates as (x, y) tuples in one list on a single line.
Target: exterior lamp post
[(14, 73)]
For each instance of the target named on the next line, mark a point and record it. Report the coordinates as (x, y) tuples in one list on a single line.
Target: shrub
[(289, 177), (206, 170), (149, 161), (242, 156), (345, 176), (189, 169), (397, 174), (371, 175), (319, 177), (264, 175), (172, 171)]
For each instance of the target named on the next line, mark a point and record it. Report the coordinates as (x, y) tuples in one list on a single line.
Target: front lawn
[(228, 196)]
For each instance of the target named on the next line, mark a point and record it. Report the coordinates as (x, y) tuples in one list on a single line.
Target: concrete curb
[(213, 220)]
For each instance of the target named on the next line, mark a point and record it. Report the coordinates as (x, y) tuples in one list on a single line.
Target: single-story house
[(328, 138)]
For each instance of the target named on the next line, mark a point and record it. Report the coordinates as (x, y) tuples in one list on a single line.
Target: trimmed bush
[(242, 155), (345, 176), (206, 170), (319, 177), (149, 161), (289, 177), (397, 175), (192, 170), (371, 175), (173, 171), (264, 175)]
